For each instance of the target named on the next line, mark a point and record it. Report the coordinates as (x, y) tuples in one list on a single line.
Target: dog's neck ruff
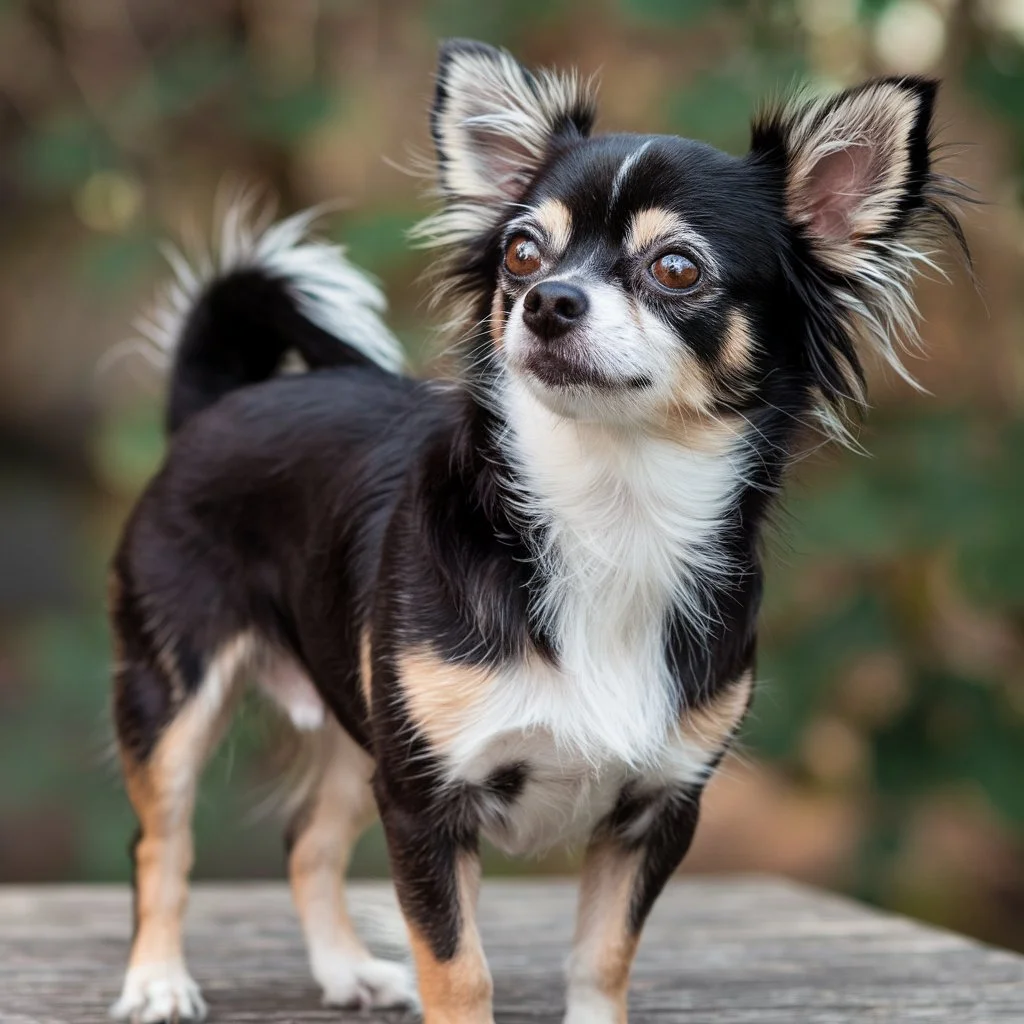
[(632, 530)]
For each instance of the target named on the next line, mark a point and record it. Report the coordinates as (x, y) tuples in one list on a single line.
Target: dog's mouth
[(558, 370)]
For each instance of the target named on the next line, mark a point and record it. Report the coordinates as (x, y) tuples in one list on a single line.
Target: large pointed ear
[(494, 122), (859, 187), (855, 165)]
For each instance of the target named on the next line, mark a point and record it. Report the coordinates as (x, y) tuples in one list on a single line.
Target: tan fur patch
[(692, 395), (456, 991), (649, 226), (162, 792), (738, 345), (604, 947), (366, 668), (697, 430), (497, 319), (556, 219), (691, 388), (711, 725), (163, 859), (339, 808), (439, 694)]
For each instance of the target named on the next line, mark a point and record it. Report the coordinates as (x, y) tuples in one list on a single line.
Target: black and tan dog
[(523, 604)]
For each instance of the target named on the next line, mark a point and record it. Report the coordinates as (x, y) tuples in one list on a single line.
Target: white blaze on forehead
[(555, 220), (625, 167)]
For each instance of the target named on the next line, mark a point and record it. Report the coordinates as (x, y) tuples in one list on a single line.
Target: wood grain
[(722, 951)]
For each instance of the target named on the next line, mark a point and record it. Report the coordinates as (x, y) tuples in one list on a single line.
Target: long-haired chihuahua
[(519, 605)]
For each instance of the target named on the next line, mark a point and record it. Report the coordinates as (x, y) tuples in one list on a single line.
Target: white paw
[(366, 983), (159, 992), (589, 1006)]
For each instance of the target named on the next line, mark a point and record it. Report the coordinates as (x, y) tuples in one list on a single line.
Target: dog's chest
[(630, 539), (566, 756), (547, 755)]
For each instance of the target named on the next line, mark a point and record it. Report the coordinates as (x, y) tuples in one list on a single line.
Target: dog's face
[(642, 278), (628, 280)]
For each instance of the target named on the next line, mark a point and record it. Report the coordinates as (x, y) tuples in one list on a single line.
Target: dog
[(520, 604)]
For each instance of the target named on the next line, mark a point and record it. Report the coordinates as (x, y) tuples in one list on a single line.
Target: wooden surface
[(728, 951)]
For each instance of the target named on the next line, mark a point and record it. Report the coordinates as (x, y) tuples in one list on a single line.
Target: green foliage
[(498, 23), (128, 449), (287, 117), (378, 239), (62, 153), (717, 106), (678, 12)]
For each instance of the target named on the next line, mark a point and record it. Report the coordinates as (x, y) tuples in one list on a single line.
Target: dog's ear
[(494, 122), (854, 166), (858, 185)]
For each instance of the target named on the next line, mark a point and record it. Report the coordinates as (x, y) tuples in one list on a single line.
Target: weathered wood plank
[(722, 951)]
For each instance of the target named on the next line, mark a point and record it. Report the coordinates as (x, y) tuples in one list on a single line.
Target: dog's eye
[(522, 257), (675, 271)]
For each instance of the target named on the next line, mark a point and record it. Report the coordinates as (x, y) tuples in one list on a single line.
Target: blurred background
[(885, 753)]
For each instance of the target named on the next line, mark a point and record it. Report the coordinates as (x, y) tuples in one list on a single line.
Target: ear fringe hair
[(562, 102), (869, 302), (541, 105)]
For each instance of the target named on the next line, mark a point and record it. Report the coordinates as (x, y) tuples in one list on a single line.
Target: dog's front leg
[(437, 878), (630, 858)]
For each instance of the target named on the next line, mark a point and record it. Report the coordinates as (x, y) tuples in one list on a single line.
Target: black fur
[(237, 334)]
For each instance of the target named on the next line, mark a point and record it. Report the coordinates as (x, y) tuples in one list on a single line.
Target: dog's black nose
[(552, 307)]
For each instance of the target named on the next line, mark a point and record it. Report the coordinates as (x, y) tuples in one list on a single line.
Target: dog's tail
[(231, 319)]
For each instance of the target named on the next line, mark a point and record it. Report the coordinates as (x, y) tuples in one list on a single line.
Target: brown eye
[(675, 271), (522, 257)]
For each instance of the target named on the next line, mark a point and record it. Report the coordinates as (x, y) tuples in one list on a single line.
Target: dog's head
[(640, 278)]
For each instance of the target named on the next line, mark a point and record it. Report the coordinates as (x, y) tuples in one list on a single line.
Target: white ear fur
[(859, 185), (856, 162), (493, 122)]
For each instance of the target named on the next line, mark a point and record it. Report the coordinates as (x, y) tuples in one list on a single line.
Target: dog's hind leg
[(338, 806), (170, 711)]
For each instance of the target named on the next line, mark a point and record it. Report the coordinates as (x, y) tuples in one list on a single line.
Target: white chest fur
[(631, 523)]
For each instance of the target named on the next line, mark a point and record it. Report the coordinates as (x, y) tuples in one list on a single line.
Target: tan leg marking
[(711, 726), (439, 694), (456, 991), (650, 226), (604, 946), (162, 792), (339, 808), (556, 220)]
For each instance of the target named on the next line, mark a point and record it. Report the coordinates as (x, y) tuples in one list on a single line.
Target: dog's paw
[(588, 1006), (159, 992), (366, 983)]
